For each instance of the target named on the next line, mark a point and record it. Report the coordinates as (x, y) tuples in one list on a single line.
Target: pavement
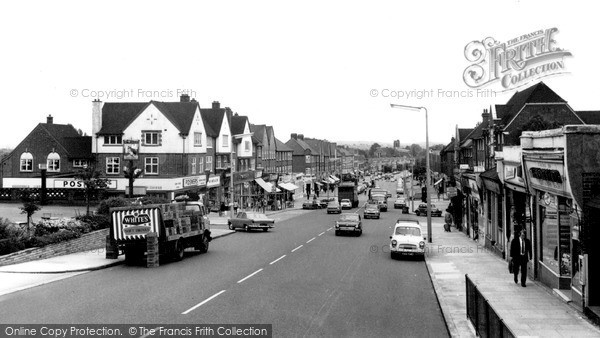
[(531, 311)]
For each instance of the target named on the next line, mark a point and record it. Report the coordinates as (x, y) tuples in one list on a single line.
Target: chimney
[(485, 116), (301, 137), (294, 136), (184, 98), (216, 105), (96, 122), (49, 119)]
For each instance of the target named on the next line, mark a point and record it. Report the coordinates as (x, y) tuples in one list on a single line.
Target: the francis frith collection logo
[(514, 63)]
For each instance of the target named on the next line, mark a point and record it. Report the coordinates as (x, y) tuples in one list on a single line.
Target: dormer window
[(53, 162), (27, 162), (113, 139)]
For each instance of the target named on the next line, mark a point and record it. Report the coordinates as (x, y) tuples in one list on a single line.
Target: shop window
[(549, 238)]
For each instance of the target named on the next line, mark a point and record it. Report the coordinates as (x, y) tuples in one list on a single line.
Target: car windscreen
[(408, 231), (349, 217), (256, 215)]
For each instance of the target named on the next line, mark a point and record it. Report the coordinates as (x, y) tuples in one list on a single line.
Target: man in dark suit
[(520, 252)]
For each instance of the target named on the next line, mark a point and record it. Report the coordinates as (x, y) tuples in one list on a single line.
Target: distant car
[(346, 204), (372, 211), (407, 239), (334, 208), (400, 203), (388, 194), (249, 220), (348, 223), (313, 204), (381, 200), (422, 210)]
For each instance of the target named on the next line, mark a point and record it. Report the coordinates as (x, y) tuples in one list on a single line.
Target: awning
[(267, 186), (288, 186), (318, 183), (438, 182), (335, 179)]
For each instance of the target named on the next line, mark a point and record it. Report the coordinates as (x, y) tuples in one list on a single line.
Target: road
[(299, 277)]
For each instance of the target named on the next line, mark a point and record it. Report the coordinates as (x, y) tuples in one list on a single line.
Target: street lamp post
[(413, 108)]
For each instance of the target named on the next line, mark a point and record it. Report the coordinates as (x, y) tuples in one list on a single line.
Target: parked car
[(346, 204), (407, 239), (400, 203), (372, 211), (349, 223), (312, 204), (422, 210), (334, 208), (249, 220), (325, 201)]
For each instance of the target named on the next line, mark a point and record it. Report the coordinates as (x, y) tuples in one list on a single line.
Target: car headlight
[(421, 244), (394, 242), (337, 225)]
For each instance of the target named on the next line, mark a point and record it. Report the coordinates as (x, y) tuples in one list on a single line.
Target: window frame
[(146, 165), (111, 163)]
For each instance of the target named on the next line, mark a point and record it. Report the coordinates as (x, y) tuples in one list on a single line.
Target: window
[(53, 162), (26, 161), (209, 142), (113, 139), (79, 163), (252, 163), (218, 162), (225, 140), (151, 165), (200, 165), (193, 166), (307, 159), (151, 138), (112, 165), (197, 139), (247, 145)]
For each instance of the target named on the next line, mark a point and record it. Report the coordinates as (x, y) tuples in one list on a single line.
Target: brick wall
[(89, 241)]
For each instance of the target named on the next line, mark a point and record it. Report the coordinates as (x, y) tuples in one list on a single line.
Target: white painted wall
[(197, 126), (241, 152), (225, 130)]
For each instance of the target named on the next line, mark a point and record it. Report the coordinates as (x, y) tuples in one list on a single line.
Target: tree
[(29, 207), (92, 183), (373, 148), (538, 123), (416, 150)]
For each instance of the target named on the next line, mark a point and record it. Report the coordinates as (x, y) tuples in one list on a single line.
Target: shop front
[(242, 188), (495, 238), (214, 195)]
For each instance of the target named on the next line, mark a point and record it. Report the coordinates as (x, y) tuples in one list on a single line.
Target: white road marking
[(329, 228), (202, 303), (322, 233), (310, 240), (297, 248), (273, 262), (250, 275)]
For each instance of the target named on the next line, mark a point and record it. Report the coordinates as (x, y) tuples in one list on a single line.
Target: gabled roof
[(589, 116), (463, 133), (78, 147), (117, 116), (213, 119), (316, 145), (259, 132), (280, 146), (538, 93), (299, 147), (448, 148), (238, 123), (270, 134)]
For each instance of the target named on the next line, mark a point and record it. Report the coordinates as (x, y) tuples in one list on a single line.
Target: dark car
[(250, 220), (349, 223), (325, 201), (422, 210), (371, 211), (313, 204)]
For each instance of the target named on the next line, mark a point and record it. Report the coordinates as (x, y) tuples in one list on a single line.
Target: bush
[(57, 237), (113, 202), (96, 222), (152, 200), (12, 238), (47, 227)]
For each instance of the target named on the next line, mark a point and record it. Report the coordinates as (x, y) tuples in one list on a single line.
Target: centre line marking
[(297, 248), (321, 233), (329, 229), (273, 262), (202, 303), (310, 240), (250, 275)]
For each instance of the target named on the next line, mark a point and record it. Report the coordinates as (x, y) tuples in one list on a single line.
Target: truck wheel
[(230, 226), (203, 244), (265, 229), (133, 255), (178, 250)]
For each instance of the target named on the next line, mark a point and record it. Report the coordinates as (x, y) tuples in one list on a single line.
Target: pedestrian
[(235, 207), (520, 253), (222, 209), (447, 220)]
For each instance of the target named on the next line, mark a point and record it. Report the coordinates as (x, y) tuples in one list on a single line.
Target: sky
[(325, 69)]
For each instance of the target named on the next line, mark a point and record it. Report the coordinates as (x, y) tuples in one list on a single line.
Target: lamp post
[(413, 108), (43, 167)]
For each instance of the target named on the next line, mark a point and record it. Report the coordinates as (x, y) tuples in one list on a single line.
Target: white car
[(346, 204), (407, 239)]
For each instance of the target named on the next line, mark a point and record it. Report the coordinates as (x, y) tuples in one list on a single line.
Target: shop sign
[(194, 181), (245, 176), (131, 149), (258, 174), (79, 184), (213, 181), (547, 176)]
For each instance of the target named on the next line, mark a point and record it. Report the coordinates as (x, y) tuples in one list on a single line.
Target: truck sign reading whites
[(132, 224)]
